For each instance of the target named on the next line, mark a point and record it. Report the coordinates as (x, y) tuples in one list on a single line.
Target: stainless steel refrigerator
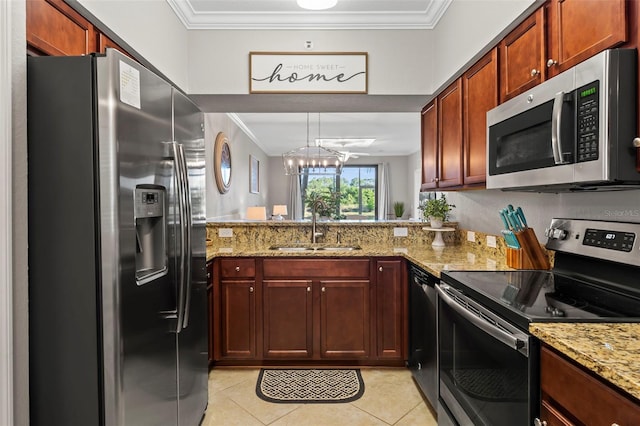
[(117, 280)]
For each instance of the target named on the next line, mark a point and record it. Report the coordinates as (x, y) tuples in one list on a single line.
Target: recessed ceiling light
[(317, 4)]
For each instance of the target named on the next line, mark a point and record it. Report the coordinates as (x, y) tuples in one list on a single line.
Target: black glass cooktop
[(525, 296)]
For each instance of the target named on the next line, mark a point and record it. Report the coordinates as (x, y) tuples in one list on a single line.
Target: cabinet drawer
[(322, 268), (583, 395), (236, 268)]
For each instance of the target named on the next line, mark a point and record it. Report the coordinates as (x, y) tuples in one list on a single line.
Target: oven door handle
[(512, 341)]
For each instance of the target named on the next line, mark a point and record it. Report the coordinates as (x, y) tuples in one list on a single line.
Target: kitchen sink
[(314, 248)]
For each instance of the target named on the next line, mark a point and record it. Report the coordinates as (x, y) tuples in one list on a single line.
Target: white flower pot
[(435, 222)]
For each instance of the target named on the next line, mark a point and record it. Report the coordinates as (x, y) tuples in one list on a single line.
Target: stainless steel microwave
[(572, 132)]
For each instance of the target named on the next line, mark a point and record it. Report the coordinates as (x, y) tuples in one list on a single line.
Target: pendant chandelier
[(314, 160)]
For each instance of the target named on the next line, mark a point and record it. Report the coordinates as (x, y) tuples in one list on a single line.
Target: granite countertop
[(610, 350), (455, 257)]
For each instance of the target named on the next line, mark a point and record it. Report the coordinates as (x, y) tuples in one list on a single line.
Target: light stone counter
[(374, 238), (610, 350)]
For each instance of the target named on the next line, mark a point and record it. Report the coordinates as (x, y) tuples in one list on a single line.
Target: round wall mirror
[(222, 163)]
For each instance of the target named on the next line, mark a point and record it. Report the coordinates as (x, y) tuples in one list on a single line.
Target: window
[(356, 187)]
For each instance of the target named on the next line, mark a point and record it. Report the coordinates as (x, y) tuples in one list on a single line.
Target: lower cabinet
[(210, 307), (287, 308), (310, 309), (573, 396), (344, 319)]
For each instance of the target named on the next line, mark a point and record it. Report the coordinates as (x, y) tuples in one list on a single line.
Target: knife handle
[(520, 214), (504, 219)]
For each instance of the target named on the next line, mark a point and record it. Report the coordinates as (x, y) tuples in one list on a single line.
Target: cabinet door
[(578, 29), (450, 136), (288, 318), (237, 319), (344, 319), (480, 87), (54, 28), (391, 309), (210, 308), (429, 132), (522, 57)]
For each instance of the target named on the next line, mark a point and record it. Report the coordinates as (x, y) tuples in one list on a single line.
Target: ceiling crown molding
[(194, 19)]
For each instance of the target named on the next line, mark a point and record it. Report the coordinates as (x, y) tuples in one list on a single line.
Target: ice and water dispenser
[(150, 220)]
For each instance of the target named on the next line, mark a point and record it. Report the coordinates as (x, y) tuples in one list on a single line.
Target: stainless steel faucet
[(314, 233)]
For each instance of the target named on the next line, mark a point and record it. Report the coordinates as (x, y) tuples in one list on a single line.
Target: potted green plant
[(398, 209), (436, 211)]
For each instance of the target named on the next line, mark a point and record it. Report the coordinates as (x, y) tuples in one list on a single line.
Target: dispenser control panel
[(149, 202)]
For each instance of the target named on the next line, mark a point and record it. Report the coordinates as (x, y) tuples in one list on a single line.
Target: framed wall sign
[(308, 72), (254, 175), (222, 163)]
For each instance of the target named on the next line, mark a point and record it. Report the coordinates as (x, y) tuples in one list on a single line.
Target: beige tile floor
[(390, 398)]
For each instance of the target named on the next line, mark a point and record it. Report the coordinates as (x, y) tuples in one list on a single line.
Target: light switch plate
[(225, 232), (400, 232), (491, 241), (471, 236)]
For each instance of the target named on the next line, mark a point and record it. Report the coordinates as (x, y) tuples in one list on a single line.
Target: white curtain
[(295, 198), (384, 200)]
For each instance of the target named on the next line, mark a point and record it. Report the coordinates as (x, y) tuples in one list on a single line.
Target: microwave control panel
[(588, 123)]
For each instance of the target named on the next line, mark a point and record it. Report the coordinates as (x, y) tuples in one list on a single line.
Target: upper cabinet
[(55, 29), (480, 94), (429, 131), (578, 29), (522, 57)]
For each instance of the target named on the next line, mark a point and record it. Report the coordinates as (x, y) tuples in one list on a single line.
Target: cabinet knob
[(324, 289), (435, 179), (308, 289), (551, 63), (208, 274), (250, 289), (237, 269), (380, 269), (636, 142), (538, 422), (534, 72)]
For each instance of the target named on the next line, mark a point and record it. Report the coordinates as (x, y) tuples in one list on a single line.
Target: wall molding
[(6, 258)]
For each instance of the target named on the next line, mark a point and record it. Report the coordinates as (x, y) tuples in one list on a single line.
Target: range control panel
[(614, 241)]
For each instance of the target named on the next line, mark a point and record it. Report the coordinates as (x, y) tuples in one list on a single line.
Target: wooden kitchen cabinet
[(523, 56), (344, 319), (573, 395), (429, 131), (287, 318), (54, 28), (391, 309), (237, 293), (442, 140), (480, 94), (579, 29), (210, 309)]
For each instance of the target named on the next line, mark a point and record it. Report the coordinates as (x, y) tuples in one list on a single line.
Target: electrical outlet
[(491, 241), (225, 232), (400, 232), (471, 236)]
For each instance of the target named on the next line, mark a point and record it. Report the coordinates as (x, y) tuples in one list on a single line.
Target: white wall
[(478, 210), (399, 61), (152, 29), (233, 204), (18, 193)]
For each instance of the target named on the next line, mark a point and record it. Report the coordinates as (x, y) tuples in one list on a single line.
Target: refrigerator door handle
[(183, 250), (187, 232)]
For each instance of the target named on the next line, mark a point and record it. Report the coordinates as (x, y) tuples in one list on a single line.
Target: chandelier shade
[(315, 160), (317, 4)]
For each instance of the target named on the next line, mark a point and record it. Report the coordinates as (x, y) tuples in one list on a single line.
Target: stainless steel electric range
[(488, 363)]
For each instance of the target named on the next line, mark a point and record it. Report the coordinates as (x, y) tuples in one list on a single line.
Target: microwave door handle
[(502, 336), (556, 122)]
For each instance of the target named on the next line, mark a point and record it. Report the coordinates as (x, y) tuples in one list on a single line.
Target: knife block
[(530, 254), (517, 259)]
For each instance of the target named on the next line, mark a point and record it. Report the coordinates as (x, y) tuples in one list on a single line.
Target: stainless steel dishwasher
[(423, 350)]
